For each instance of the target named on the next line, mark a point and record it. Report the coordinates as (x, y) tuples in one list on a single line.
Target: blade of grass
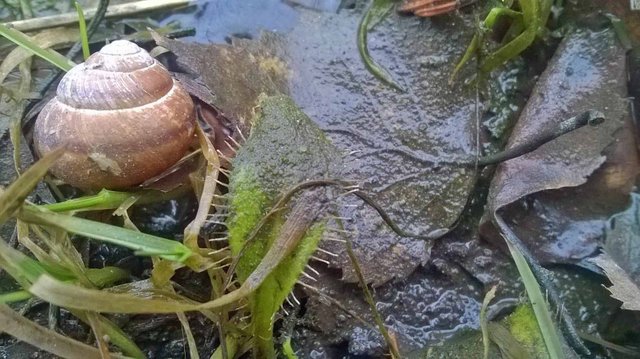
[(191, 340), (26, 270), (105, 199), (537, 299), (72, 296), (142, 243), (96, 328), (16, 296), (287, 350), (232, 346), (25, 42), (68, 295), (53, 37), (82, 24), (192, 231), (374, 13), (14, 195), (115, 334), (29, 332), (23, 269), (25, 9), (15, 131)]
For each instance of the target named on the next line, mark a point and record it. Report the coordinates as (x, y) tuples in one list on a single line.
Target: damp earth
[(568, 201)]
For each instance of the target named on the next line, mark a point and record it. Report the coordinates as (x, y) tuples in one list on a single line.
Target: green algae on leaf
[(249, 204), (284, 149)]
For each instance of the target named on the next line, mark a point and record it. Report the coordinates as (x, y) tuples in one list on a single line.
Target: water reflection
[(216, 20)]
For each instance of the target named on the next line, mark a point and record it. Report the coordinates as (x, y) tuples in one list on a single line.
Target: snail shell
[(121, 116)]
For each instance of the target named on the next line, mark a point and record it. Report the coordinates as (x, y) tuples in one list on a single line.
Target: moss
[(524, 327)]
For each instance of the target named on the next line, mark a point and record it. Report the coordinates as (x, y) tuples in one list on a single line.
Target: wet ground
[(426, 291), (394, 143)]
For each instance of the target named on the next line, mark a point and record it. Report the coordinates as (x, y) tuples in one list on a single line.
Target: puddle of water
[(216, 20)]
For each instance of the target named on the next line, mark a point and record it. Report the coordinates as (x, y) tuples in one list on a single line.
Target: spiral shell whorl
[(121, 75), (121, 116)]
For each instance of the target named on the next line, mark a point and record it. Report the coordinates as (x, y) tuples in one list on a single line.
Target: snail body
[(121, 117)]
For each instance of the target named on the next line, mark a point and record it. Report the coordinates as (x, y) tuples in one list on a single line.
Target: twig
[(137, 7), (591, 117), (372, 303)]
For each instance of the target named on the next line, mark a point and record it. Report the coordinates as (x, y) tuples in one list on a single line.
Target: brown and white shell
[(121, 117)]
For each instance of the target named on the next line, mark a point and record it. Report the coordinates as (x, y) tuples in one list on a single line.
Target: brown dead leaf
[(370, 121), (231, 77), (559, 196), (620, 259), (323, 73), (622, 286)]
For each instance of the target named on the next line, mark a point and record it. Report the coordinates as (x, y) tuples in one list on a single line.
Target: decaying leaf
[(561, 194), (379, 127), (621, 258), (391, 136), (622, 288), (622, 242), (235, 74)]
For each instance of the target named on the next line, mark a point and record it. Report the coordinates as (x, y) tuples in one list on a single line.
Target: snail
[(121, 117)]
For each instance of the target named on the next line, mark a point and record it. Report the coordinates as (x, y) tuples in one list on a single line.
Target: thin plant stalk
[(17, 296), (395, 354), (484, 321), (25, 42), (376, 11), (84, 38), (27, 331)]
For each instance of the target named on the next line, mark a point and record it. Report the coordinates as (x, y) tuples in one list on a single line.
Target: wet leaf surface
[(621, 252), (325, 76), (369, 120), (558, 197), (234, 74), (623, 287), (419, 310), (622, 241), (323, 73)]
